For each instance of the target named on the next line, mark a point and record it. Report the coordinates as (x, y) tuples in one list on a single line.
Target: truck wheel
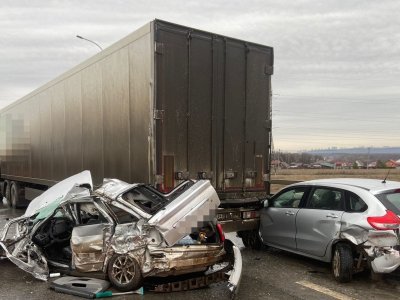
[(124, 273), (251, 239), (15, 195), (255, 241), (342, 263), (7, 193)]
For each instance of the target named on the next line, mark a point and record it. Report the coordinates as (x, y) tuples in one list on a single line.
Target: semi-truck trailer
[(164, 104)]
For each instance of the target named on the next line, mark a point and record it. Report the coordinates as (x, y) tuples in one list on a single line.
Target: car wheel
[(342, 263), (124, 273)]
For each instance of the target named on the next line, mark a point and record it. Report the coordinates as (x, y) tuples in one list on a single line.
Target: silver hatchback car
[(353, 223)]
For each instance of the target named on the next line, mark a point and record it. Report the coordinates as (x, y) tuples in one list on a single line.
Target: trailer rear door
[(212, 109)]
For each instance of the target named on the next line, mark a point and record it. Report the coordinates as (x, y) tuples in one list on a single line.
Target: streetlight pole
[(82, 38)]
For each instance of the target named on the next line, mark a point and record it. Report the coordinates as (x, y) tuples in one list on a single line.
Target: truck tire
[(7, 193), (251, 239), (15, 195), (124, 273), (342, 263), (1, 192)]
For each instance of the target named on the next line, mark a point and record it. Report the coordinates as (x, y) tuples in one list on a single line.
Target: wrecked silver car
[(127, 231), (353, 223)]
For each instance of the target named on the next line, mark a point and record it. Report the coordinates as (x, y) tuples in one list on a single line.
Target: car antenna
[(384, 180)]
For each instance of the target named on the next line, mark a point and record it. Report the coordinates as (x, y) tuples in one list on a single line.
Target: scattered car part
[(79, 286), (107, 294)]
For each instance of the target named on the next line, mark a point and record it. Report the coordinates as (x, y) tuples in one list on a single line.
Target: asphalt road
[(267, 274)]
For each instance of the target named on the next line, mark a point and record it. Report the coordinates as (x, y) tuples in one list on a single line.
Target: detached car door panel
[(319, 222)]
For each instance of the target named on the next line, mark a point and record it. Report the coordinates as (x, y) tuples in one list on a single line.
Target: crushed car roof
[(46, 203)]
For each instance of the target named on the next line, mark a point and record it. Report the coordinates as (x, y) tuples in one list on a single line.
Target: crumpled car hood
[(46, 203)]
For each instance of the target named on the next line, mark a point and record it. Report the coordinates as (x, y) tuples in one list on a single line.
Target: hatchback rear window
[(391, 200)]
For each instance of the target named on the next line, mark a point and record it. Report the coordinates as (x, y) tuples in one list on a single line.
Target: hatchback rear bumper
[(386, 260)]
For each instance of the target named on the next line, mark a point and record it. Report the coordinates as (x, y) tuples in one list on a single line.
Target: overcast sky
[(336, 78)]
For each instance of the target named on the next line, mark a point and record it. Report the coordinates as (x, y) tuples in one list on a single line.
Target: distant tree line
[(289, 158)]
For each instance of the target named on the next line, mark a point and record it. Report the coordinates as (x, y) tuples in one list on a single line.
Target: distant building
[(327, 165), (392, 164), (277, 164), (360, 164)]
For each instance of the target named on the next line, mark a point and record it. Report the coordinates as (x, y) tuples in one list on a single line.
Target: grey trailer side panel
[(35, 138), (14, 140), (92, 121), (59, 171), (83, 120), (46, 155), (115, 73), (73, 124), (141, 109)]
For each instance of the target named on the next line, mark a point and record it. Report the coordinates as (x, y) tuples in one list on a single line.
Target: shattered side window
[(354, 203), (88, 214), (147, 200), (122, 216), (391, 200)]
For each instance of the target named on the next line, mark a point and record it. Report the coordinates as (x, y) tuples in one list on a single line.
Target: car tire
[(342, 263), (124, 272)]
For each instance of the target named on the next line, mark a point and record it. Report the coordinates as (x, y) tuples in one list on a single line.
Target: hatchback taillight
[(389, 221), (221, 232)]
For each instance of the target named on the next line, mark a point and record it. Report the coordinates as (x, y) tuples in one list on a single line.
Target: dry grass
[(309, 174)]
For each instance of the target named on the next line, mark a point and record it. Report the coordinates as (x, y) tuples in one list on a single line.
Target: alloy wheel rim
[(124, 269)]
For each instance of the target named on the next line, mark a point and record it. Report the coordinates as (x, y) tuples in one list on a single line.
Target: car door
[(319, 221), (89, 237), (278, 220)]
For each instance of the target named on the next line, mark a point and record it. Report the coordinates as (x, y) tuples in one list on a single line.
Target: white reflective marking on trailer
[(324, 290)]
